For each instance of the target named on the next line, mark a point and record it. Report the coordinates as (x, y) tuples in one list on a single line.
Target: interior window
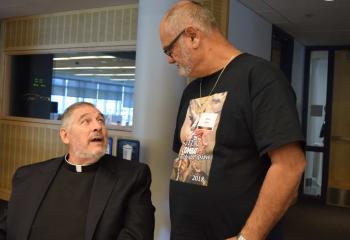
[(43, 86)]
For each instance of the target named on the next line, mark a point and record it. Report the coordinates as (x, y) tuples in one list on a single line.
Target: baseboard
[(338, 197)]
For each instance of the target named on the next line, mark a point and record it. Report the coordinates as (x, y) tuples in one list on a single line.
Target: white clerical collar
[(77, 167)]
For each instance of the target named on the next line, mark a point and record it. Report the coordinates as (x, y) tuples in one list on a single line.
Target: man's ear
[(194, 35), (64, 135)]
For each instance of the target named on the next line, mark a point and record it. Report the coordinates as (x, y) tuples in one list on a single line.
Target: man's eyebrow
[(86, 114), (101, 115), (83, 116)]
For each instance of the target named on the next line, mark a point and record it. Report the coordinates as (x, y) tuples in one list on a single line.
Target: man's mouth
[(96, 139)]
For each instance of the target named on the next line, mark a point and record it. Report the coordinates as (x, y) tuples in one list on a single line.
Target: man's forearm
[(277, 193)]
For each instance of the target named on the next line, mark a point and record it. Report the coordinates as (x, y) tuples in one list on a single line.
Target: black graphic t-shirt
[(198, 137), (222, 141)]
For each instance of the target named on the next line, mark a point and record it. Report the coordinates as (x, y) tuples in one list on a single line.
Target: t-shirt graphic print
[(198, 140)]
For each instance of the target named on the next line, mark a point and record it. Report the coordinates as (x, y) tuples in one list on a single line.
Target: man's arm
[(278, 191), (139, 217)]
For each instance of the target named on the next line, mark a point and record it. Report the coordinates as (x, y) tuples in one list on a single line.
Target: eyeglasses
[(168, 50)]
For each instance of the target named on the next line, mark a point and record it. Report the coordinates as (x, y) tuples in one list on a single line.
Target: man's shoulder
[(252, 61), (261, 72), (123, 165), (34, 167)]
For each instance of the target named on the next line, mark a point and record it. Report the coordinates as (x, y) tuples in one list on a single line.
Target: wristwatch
[(240, 237)]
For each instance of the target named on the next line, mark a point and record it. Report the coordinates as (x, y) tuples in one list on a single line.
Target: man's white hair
[(68, 113), (190, 13)]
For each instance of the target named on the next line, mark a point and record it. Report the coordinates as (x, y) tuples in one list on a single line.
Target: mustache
[(97, 137)]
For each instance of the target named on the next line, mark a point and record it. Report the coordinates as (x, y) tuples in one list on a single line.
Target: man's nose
[(171, 60), (97, 125)]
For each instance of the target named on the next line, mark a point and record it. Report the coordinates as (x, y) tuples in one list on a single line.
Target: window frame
[(5, 84)]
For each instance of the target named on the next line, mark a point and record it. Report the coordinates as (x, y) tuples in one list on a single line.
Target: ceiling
[(311, 22)]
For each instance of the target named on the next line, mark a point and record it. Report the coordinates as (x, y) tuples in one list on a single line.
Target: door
[(339, 163), (314, 124)]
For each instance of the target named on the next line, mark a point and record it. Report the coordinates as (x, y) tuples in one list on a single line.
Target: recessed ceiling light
[(329, 0), (89, 68), (105, 74), (81, 57), (121, 80)]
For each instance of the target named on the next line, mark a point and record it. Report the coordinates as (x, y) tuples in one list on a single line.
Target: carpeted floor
[(308, 221)]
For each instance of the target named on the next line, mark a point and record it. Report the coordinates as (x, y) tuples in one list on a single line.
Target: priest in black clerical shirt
[(84, 195)]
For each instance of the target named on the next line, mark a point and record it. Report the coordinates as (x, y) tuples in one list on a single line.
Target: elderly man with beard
[(83, 195), (237, 124)]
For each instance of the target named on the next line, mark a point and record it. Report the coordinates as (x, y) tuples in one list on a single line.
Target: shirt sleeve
[(275, 120)]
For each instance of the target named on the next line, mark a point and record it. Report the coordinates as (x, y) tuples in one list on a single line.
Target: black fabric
[(120, 204), (63, 212), (258, 115)]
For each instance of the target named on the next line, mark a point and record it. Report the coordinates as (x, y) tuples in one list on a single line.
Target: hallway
[(305, 221)]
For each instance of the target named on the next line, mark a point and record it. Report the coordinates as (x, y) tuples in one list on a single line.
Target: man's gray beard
[(91, 157), (185, 70)]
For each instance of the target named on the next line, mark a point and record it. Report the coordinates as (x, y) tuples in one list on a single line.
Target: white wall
[(158, 91), (298, 74), (248, 31)]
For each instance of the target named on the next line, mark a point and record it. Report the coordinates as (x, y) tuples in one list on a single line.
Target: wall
[(24, 141), (249, 32), (102, 27)]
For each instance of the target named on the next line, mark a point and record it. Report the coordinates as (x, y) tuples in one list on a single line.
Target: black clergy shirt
[(63, 212)]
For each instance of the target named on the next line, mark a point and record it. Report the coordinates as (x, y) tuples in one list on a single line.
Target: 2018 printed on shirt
[(197, 135)]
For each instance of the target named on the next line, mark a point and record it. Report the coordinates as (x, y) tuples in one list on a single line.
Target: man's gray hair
[(68, 112), (186, 13)]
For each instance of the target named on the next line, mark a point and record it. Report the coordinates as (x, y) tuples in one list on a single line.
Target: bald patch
[(187, 13)]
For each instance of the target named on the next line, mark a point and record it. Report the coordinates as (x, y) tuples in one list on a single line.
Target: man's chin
[(99, 154), (183, 72), (91, 157)]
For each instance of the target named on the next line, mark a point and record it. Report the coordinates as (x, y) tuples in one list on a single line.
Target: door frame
[(328, 117)]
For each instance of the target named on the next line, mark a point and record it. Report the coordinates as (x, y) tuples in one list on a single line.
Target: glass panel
[(317, 98), (45, 85), (313, 173), (104, 79)]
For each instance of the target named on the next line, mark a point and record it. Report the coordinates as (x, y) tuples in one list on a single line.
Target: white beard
[(89, 156), (185, 70)]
